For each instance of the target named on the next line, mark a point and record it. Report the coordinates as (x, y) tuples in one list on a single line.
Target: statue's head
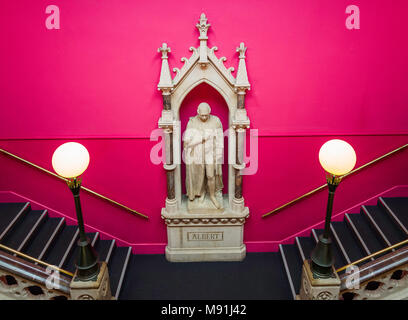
[(203, 111)]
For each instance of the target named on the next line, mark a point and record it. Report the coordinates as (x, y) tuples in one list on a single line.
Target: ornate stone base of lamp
[(95, 289), (205, 236), (318, 288)]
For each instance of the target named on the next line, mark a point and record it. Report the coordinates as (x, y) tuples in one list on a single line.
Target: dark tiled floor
[(260, 276)]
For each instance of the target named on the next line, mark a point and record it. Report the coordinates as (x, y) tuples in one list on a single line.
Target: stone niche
[(206, 224)]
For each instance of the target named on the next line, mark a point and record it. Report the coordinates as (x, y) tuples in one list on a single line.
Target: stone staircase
[(52, 240), (357, 236), (269, 275)]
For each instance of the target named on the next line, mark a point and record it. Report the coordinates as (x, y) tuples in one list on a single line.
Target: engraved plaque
[(205, 236)]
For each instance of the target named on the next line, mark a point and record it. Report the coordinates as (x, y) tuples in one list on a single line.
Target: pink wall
[(94, 81), (99, 72), (288, 167)]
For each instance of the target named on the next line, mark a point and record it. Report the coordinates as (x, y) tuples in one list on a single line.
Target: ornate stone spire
[(203, 26), (241, 82), (164, 49), (166, 82), (241, 49)]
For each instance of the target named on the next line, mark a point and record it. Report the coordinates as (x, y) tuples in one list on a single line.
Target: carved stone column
[(240, 124), (240, 129), (169, 166), (238, 201), (318, 288), (96, 289), (240, 138), (168, 137), (171, 201), (241, 99), (166, 100), (166, 123)]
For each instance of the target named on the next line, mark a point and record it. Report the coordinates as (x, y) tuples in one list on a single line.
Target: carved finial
[(203, 27), (164, 49), (241, 82), (241, 49), (165, 77)]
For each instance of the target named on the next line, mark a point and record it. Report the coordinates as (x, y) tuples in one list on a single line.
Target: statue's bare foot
[(215, 202), (201, 198)]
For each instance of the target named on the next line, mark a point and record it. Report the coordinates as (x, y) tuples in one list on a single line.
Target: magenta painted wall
[(94, 81), (288, 167), (99, 72)]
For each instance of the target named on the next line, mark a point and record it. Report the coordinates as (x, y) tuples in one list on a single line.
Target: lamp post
[(70, 160), (337, 158)]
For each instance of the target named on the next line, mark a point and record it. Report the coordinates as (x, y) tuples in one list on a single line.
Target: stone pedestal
[(316, 288), (205, 236), (99, 289)]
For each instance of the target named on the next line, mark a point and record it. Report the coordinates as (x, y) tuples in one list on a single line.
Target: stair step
[(105, 249), (397, 209), (295, 264), (366, 235), (69, 252), (307, 244), (117, 268), (339, 260), (314, 236), (38, 243), (350, 244), (59, 247), (11, 214), (375, 226), (287, 271), (128, 261), (339, 244), (25, 229), (300, 249), (69, 263), (390, 229)]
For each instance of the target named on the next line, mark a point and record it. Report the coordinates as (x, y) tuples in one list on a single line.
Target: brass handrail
[(325, 185), (2, 246), (373, 255), (83, 188)]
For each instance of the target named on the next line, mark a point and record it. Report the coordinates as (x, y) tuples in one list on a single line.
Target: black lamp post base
[(322, 259), (320, 272), (87, 261)]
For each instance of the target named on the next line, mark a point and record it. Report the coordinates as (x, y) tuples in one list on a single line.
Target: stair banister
[(36, 261), (379, 266), (33, 274), (64, 179), (373, 255), (276, 210), (381, 279)]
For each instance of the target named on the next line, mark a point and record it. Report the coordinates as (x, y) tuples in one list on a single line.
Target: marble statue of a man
[(203, 147)]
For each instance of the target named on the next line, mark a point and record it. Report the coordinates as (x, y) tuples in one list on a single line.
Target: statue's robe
[(201, 156)]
